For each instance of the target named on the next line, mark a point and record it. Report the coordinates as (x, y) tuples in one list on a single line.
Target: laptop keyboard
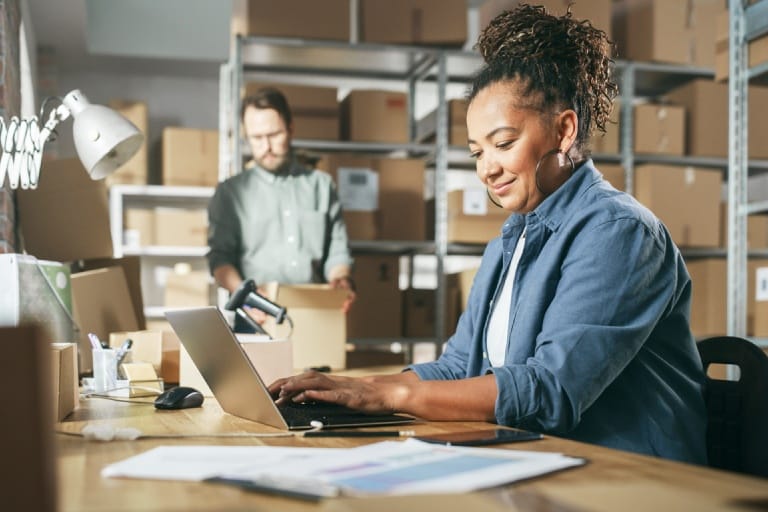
[(297, 415), (300, 415)]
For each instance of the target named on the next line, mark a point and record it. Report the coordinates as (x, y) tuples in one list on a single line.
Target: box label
[(358, 188), (474, 202), (761, 284)]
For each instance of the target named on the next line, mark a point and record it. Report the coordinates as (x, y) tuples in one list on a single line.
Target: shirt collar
[(554, 209)]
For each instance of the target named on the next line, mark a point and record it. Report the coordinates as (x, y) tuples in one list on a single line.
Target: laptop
[(239, 389)]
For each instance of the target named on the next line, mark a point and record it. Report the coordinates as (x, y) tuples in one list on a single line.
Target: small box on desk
[(158, 348), (66, 397)]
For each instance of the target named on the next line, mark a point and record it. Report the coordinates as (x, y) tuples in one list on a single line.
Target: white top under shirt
[(496, 337)]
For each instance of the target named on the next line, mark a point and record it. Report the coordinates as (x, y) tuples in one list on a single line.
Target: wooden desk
[(611, 481)]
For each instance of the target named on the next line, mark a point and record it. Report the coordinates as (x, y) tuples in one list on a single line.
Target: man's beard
[(278, 164)]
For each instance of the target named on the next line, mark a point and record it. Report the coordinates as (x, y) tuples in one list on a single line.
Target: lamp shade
[(104, 139)]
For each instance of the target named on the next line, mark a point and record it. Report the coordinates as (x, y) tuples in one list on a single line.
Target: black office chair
[(737, 423)]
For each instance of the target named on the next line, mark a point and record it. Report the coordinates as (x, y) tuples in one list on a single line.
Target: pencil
[(359, 433)]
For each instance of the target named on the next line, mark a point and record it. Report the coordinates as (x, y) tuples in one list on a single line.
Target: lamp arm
[(22, 142)]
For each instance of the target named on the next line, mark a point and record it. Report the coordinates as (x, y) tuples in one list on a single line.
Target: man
[(277, 220)]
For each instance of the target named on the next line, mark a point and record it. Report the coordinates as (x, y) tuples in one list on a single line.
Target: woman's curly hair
[(559, 62)]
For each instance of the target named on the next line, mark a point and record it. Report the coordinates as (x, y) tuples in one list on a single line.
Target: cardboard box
[(319, 332), (190, 157), (39, 292), (757, 49), (102, 304), (419, 310), (181, 227), (156, 347), (131, 266), (28, 474), (598, 12), (401, 208), (362, 225), (315, 110), (442, 22), (401, 199), (367, 357), (305, 19), (358, 188), (189, 289), (662, 31), (377, 310), (706, 104), (613, 174), (66, 390), (757, 229), (709, 297), (375, 116), (273, 359), (426, 128), (134, 171), (466, 278), (708, 306), (760, 281), (67, 217), (664, 188), (139, 228), (659, 129), (142, 379), (608, 143), (472, 218)]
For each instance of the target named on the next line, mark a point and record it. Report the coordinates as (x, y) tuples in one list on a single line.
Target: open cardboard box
[(319, 333), (272, 358)]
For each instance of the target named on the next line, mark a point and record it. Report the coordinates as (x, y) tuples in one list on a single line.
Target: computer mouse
[(179, 397)]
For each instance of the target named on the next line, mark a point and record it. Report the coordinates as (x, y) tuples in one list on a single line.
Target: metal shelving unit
[(122, 197), (746, 23), (326, 63)]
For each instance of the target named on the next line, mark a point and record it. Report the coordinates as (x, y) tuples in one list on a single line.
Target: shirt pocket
[(313, 227)]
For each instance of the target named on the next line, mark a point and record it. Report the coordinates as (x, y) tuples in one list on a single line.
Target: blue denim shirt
[(599, 344)]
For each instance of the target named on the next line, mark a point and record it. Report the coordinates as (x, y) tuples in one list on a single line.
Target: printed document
[(385, 468)]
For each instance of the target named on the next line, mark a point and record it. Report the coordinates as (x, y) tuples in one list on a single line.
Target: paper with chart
[(386, 468)]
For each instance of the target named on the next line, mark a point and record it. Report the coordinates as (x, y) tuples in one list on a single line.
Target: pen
[(95, 342), (123, 350), (359, 433)]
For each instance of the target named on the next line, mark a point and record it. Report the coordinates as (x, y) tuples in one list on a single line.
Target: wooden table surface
[(612, 480)]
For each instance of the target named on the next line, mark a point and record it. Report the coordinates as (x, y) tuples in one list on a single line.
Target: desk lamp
[(104, 140)]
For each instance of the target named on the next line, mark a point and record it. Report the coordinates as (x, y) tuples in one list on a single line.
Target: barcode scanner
[(246, 295)]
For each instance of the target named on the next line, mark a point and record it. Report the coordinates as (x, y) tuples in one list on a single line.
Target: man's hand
[(345, 283)]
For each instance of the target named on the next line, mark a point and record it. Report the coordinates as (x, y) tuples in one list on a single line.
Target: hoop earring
[(554, 176), (491, 199)]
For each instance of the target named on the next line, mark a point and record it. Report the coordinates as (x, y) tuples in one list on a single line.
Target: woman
[(577, 323)]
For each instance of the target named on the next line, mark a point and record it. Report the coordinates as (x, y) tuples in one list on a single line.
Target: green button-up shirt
[(285, 227)]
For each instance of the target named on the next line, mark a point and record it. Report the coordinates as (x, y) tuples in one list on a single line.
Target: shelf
[(391, 247), (165, 195), (653, 79), (335, 59), (166, 251)]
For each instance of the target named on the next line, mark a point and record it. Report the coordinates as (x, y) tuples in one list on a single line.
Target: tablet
[(482, 437)]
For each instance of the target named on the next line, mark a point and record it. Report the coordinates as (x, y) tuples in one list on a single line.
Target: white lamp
[(104, 141)]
